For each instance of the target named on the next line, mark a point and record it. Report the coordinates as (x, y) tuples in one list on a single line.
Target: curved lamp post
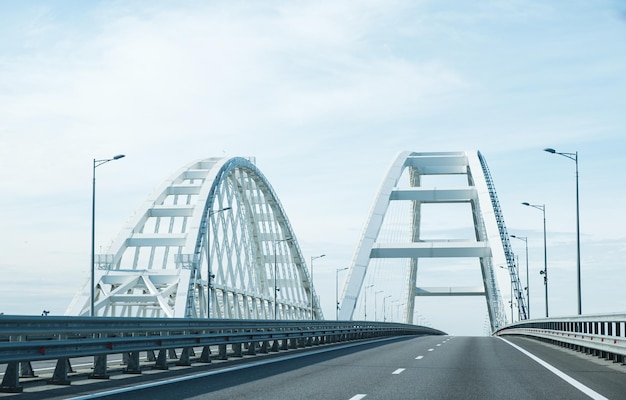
[(574, 157), (312, 301), (542, 207), (96, 164)]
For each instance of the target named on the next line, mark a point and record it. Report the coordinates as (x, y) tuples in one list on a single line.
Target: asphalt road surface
[(428, 367)]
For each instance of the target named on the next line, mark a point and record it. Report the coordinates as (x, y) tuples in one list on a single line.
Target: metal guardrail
[(600, 335), (25, 339)]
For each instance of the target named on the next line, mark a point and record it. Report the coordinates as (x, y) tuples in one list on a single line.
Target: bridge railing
[(602, 335), (26, 339)]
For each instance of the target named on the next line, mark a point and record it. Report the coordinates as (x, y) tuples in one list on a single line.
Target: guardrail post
[(222, 355), (150, 356), (275, 346), (205, 357), (161, 360), (11, 380), (184, 358), (59, 377), (284, 344), (26, 370), (251, 349), (236, 347), (99, 367), (133, 363), (264, 347), (172, 354)]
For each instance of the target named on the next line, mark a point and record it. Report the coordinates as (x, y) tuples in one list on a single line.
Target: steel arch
[(212, 241), (490, 246)]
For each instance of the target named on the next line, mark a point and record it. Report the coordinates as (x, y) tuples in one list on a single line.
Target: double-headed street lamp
[(210, 275), (525, 239), (312, 301), (542, 207), (574, 156), (337, 291), (276, 277), (96, 164)]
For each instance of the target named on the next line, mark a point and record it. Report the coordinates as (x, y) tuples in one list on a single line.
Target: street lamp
[(313, 258), (574, 156), (542, 207), (337, 291), (275, 276), (96, 163), (208, 259), (511, 301), (385, 308), (365, 303), (525, 239), (376, 304)]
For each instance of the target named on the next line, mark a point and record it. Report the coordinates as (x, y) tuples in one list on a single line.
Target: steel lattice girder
[(159, 264)]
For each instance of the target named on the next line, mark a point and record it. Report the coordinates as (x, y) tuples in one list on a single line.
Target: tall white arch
[(219, 215), (490, 244)]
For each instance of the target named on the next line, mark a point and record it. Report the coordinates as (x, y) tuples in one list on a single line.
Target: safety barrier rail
[(26, 339), (600, 335)]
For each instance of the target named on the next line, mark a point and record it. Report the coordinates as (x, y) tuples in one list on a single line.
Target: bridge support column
[(99, 367), (11, 380), (59, 377)]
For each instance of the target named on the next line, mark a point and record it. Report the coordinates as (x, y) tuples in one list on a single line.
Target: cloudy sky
[(324, 94)]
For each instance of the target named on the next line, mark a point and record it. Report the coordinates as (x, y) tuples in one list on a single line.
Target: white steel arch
[(490, 244), (161, 266)]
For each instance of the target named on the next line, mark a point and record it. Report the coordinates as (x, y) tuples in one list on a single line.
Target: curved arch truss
[(462, 264), (212, 241)]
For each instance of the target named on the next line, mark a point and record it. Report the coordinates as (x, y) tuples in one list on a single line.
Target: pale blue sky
[(324, 94)]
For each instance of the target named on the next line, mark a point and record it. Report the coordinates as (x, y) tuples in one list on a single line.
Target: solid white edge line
[(358, 396), (586, 390), (221, 371)]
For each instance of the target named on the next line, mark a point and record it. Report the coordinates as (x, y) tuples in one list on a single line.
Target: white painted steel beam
[(431, 250), (434, 195), (450, 291)]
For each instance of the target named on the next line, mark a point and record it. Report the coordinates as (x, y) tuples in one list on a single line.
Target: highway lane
[(430, 367)]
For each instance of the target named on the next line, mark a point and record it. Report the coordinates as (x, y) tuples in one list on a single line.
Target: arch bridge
[(212, 241)]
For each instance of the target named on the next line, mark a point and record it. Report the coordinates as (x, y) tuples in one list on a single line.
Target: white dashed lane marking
[(419, 357), (358, 396)]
